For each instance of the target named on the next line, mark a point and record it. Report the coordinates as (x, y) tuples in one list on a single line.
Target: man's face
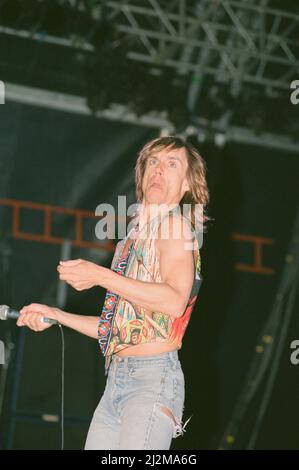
[(164, 180)]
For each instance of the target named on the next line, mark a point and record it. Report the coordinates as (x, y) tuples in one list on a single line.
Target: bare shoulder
[(175, 232), (175, 254)]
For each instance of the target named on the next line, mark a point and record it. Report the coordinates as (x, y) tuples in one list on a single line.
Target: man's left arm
[(170, 296)]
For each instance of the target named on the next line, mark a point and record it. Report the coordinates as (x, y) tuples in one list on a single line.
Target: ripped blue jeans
[(142, 405)]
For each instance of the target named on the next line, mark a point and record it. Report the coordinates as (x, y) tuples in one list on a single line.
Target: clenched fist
[(80, 274)]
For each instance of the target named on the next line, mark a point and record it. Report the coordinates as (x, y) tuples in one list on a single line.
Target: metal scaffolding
[(235, 44), (234, 41)]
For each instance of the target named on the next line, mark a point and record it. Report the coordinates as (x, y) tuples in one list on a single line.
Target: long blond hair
[(196, 173)]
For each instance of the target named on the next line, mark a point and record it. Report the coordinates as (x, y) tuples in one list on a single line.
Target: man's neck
[(147, 212)]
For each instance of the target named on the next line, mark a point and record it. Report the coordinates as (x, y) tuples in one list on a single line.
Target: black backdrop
[(73, 161)]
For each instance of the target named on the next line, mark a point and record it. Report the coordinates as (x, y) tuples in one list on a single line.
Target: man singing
[(151, 290)]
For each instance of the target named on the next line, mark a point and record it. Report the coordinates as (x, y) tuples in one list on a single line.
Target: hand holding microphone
[(37, 317), (80, 274)]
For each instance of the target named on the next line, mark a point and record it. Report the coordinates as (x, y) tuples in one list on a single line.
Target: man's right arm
[(31, 316)]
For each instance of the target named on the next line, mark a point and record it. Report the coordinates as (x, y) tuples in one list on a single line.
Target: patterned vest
[(123, 323)]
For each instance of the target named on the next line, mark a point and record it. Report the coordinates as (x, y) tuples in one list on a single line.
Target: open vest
[(123, 323)]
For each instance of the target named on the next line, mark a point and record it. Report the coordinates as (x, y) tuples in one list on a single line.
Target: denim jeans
[(131, 413)]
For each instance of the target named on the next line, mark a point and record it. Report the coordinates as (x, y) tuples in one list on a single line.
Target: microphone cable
[(62, 385)]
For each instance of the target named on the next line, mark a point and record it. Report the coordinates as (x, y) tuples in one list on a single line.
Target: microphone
[(7, 313)]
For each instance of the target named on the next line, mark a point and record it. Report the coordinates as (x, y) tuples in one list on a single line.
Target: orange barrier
[(46, 236), (258, 243)]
